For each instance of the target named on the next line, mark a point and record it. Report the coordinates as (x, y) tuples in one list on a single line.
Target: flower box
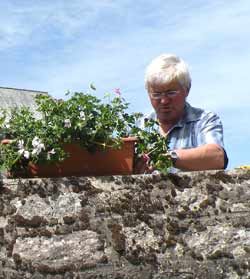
[(46, 146), (83, 163)]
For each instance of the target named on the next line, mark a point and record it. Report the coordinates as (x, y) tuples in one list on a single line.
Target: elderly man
[(195, 135)]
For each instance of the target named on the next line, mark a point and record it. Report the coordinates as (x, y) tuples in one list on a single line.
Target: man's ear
[(187, 91)]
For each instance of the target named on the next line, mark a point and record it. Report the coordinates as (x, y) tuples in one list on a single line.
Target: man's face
[(169, 107)]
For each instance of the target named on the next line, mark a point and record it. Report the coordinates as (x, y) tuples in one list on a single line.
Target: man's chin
[(165, 113), (165, 117)]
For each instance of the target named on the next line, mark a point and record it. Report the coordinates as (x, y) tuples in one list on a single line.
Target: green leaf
[(107, 95), (92, 86)]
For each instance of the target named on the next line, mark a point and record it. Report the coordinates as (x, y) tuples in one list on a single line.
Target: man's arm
[(206, 157), (210, 153), (6, 141)]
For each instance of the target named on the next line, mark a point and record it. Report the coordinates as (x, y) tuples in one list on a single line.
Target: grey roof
[(13, 97)]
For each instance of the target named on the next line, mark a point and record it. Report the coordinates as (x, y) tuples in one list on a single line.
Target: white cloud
[(19, 22)]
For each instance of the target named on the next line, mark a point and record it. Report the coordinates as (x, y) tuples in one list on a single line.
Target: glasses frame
[(159, 95)]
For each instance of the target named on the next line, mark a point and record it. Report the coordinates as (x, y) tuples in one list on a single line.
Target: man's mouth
[(165, 109)]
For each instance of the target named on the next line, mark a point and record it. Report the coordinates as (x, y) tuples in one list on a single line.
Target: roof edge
[(22, 89)]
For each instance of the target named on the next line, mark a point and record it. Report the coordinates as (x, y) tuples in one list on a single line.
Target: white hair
[(167, 68)]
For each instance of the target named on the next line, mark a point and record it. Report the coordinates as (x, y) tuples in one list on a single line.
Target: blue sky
[(59, 45)]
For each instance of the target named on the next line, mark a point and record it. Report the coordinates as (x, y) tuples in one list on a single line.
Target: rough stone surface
[(189, 225)]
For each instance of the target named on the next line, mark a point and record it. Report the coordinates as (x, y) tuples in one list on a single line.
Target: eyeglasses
[(160, 95)]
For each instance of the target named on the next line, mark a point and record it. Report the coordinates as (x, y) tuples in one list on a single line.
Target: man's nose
[(165, 99)]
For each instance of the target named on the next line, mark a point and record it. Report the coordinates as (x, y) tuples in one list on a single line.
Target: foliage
[(153, 147), (83, 118)]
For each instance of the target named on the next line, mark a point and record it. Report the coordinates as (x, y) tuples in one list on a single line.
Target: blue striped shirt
[(197, 127)]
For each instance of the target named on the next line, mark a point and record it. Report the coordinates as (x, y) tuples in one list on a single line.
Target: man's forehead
[(165, 86)]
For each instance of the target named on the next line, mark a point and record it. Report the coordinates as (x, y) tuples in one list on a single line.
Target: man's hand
[(6, 141), (141, 166)]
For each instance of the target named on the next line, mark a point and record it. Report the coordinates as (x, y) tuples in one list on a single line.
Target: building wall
[(13, 97)]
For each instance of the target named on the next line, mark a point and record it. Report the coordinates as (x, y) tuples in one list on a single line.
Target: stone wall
[(190, 225)]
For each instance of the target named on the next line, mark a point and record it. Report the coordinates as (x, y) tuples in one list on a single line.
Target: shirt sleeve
[(210, 130)]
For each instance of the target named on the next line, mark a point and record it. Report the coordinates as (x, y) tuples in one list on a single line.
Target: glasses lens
[(171, 94), (160, 95), (156, 95)]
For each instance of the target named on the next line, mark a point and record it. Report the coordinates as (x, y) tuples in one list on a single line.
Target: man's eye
[(156, 94), (171, 93)]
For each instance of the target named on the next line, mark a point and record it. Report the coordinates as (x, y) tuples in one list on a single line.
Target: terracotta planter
[(82, 163)]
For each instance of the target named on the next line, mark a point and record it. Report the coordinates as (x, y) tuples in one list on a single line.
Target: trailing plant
[(152, 147), (94, 123)]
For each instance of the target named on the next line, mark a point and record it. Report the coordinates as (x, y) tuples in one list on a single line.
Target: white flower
[(52, 151), (34, 151), (21, 151), (20, 144), (38, 146), (36, 141), (67, 123), (49, 153), (37, 150), (82, 115), (7, 126), (26, 154)]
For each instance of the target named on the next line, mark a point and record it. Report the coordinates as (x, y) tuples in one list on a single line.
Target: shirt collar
[(190, 115)]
